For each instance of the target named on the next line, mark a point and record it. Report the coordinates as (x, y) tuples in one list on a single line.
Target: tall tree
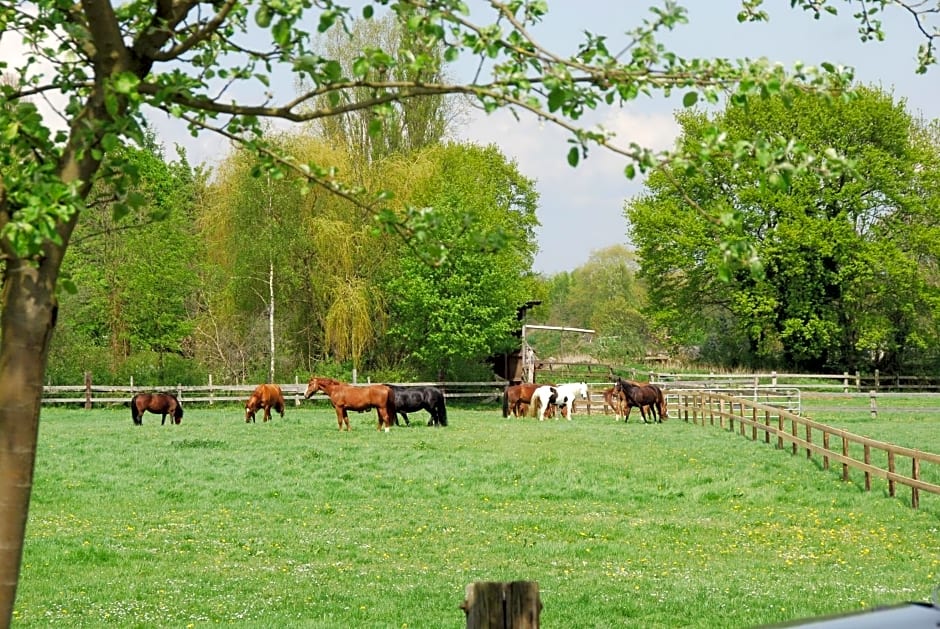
[(187, 58), (465, 308), (832, 250)]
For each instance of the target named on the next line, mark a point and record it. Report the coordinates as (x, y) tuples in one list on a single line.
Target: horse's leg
[(163, 419), (340, 416)]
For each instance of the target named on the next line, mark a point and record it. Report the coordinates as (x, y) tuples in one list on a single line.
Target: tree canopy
[(846, 280)]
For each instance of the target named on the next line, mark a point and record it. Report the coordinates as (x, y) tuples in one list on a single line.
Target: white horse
[(541, 399), (568, 393)]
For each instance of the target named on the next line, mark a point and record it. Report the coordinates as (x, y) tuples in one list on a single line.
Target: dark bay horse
[(158, 403), (266, 396), (350, 397), (517, 397), (416, 398), (643, 396)]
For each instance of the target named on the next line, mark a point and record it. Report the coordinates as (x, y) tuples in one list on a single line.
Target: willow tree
[(200, 62)]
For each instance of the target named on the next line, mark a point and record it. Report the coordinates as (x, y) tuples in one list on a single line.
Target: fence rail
[(91, 395), (841, 446), (845, 382)]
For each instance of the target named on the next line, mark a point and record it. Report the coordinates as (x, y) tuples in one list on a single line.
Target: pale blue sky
[(581, 209)]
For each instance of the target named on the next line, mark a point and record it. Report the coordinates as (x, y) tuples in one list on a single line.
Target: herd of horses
[(390, 401), (541, 400)]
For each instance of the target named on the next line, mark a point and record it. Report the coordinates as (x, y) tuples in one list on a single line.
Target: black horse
[(643, 396), (413, 399)]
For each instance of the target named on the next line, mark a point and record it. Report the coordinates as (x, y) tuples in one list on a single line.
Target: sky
[(581, 209)]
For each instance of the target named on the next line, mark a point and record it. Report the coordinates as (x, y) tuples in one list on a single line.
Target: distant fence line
[(845, 382), (90, 394), (853, 451)]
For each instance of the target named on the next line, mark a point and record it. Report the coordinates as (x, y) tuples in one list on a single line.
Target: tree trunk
[(26, 323), (271, 318)]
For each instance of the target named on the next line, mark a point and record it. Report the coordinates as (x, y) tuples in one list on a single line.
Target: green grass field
[(294, 524)]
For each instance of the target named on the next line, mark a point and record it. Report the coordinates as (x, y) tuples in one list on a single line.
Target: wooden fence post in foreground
[(496, 605)]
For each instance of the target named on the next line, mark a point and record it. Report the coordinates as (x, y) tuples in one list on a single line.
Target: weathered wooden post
[(499, 605), (87, 390), (873, 403)]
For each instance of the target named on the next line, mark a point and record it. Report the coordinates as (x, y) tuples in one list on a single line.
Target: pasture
[(294, 523)]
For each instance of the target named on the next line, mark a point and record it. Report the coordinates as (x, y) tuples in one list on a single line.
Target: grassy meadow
[(295, 524)]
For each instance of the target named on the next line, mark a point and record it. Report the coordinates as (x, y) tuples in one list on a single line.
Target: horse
[(158, 403), (350, 397), (515, 396), (642, 396), (568, 393), (542, 398), (616, 400), (415, 398), (265, 396)]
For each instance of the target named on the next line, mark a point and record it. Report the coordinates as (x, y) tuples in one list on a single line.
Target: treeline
[(197, 272)]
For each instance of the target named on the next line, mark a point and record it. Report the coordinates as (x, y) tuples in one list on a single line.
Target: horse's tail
[(441, 410), (506, 402), (134, 409), (390, 406)]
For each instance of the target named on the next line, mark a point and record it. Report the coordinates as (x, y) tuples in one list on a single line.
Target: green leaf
[(263, 16), (574, 156), (689, 99)]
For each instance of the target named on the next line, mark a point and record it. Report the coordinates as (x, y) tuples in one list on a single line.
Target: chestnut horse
[(158, 403), (517, 397), (264, 396), (350, 397)]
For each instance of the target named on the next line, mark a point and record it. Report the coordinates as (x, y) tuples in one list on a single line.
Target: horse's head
[(317, 384), (583, 390), (250, 407)]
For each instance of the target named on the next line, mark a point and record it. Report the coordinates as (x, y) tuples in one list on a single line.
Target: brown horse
[(264, 396), (517, 397), (350, 397), (158, 403), (616, 400), (642, 395)]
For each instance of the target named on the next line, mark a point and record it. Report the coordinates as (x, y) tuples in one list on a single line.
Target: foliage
[(602, 295), (465, 308), (134, 274), (841, 287)]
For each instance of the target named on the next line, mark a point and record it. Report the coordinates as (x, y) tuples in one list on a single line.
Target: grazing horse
[(642, 396), (413, 399), (616, 400), (542, 398), (158, 403), (264, 396), (568, 393), (350, 397), (516, 396)]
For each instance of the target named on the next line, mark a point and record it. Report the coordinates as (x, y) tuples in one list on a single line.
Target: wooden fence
[(91, 395), (871, 457), (845, 382)]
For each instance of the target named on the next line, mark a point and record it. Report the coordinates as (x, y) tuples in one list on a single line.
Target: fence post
[(873, 403), (87, 390), (296, 391), (845, 381), (495, 605), (211, 394), (915, 474), (858, 381), (877, 379)]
